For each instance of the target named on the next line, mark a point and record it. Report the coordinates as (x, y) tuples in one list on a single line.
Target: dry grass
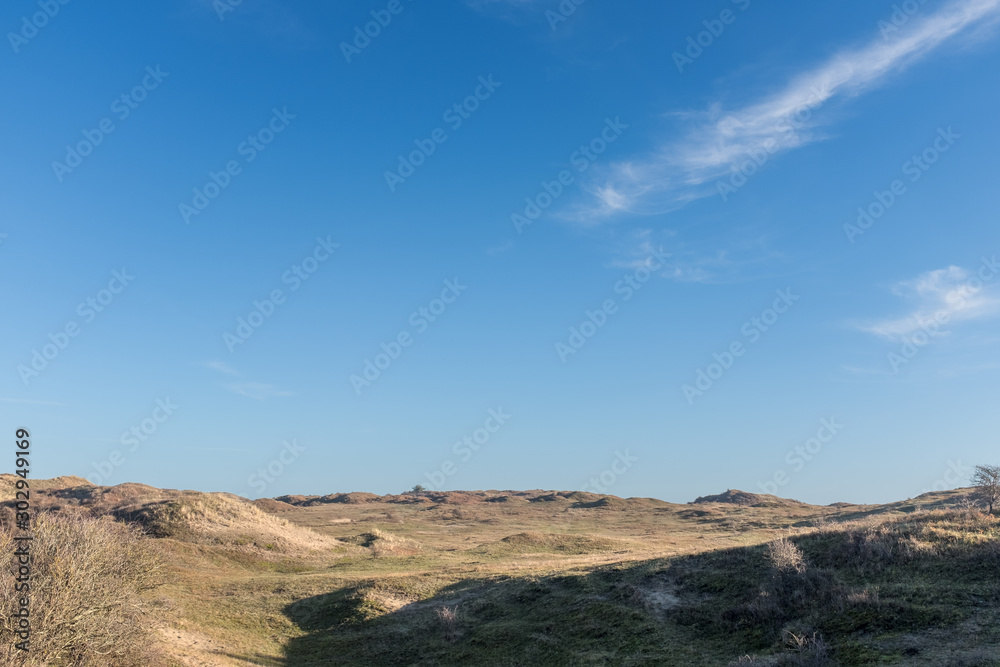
[(512, 578), (384, 544), (232, 523), (448, 618)]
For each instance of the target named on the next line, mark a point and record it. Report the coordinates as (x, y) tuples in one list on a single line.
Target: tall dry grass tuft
[(448, 618), (803, 648), (86, 581)]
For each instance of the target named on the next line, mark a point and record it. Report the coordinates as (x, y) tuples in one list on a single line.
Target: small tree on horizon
[(986, 479), (419, 488)]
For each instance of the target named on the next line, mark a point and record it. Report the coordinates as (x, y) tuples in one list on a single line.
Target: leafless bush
[(872, 547), (809, 646), (448, 618), (967, 503), (86, 580), (868, 597), (986, 479), (785, 556), (803, 648)]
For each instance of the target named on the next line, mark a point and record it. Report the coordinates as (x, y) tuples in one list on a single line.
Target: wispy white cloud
[(713, 260), (946, 295), (222, 367), (27, 401), (722, 141), (257, 390)]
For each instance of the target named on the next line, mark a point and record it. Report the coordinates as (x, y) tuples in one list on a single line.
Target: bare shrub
[(785, 556), (806, 648), (822, 524), (448, 618), (87, 576), (803, 648), (879, 544), (868, 597), (967, 503), (871, 547), (986, 479)]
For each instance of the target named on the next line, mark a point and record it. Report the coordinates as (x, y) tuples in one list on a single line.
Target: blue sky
[(662, 251)]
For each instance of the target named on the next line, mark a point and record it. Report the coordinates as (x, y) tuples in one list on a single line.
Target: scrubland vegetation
[(132, 575), (88, 578)]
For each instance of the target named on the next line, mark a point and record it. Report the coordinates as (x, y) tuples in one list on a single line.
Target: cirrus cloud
[(721, 141)]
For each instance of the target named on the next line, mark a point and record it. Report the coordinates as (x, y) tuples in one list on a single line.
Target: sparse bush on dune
[(803, 648), (87, 577), (448, 618), (986, 479), (875, 576), (785, 556), (875, 544)]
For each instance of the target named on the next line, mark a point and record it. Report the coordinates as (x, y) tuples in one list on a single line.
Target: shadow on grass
[(554, 620), (861, 590), (259, 659)]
